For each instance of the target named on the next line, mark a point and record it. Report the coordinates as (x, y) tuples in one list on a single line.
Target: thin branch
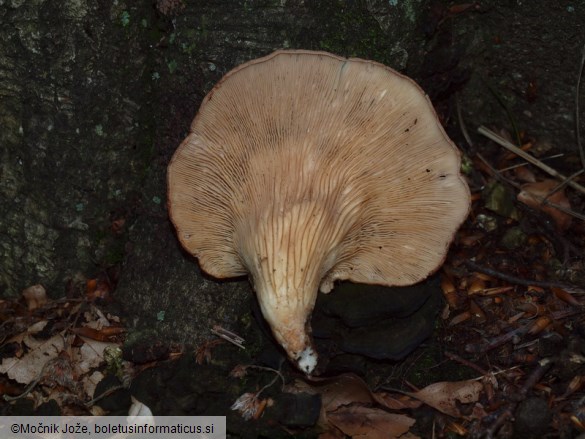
[(462, 125), (497, 173), (513, 148), (519, 165), (520, 281), (577, 115), (542, 200), (465, 362), (535, 376), (562, 184), (233, 338), (563, 209), (506, 109)]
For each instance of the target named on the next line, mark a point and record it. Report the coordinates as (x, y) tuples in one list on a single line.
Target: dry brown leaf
[(532, 195), (444, 396), (369, 423), (523, 173), (396, 402), (346, 401), (343, 390), (337, 391), (104, 334), (28, 368), (332, 434)]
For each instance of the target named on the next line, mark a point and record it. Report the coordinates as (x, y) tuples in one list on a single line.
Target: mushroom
[(303, 168)]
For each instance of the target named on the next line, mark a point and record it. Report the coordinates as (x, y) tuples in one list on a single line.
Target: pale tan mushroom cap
[(303, 168)]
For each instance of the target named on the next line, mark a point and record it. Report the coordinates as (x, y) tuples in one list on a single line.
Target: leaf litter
[(514, 316)]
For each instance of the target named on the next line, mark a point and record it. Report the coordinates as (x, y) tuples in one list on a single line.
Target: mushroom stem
[(294, 247)]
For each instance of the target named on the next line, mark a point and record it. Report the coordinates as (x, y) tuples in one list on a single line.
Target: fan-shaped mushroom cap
[(302, 168)]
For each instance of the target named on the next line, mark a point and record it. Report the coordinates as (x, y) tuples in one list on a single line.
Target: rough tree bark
[(95, 97)]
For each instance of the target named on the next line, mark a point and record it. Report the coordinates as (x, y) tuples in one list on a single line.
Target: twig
[(465, 362), (228, 336), (480, 348), (497, 173), (276, 377), (562, 184), (26, 391), (577, 115), (108, 392), (513, 148), (503, 104), (542, 200), (542, 367), (462, 125), (525, 282), (563, 209), (519, 165)]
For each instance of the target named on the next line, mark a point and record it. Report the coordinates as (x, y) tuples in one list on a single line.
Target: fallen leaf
[(345, 405), (343, 390), (336, 391), (523, 173), (28, 368), (369, 423), (395, 402), (533, 194), (445, 396), (104, 334)]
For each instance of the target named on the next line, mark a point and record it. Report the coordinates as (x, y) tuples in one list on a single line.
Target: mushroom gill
[(303, 168)]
